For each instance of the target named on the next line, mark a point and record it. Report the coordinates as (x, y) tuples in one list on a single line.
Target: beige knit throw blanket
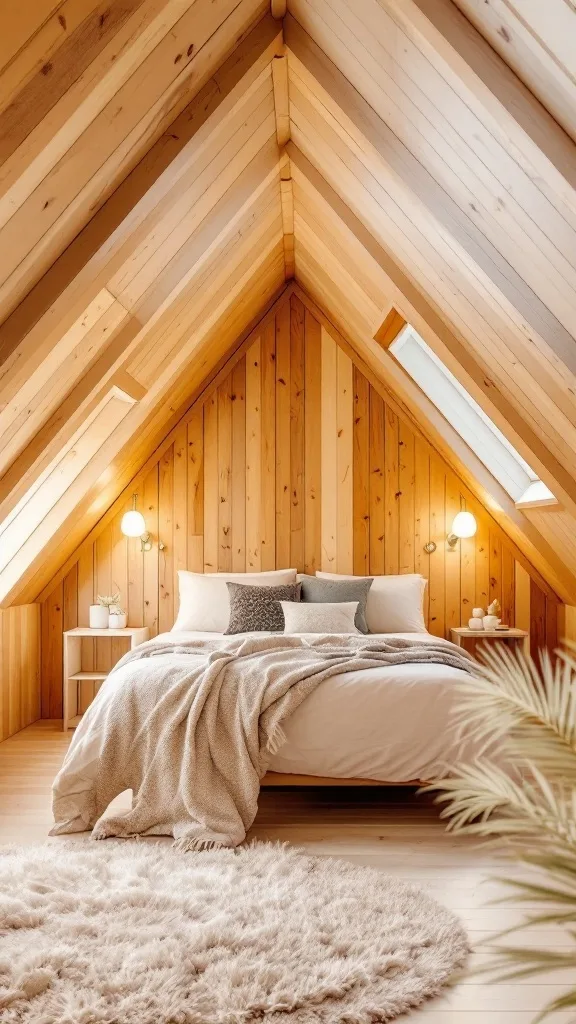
[(192, 736)]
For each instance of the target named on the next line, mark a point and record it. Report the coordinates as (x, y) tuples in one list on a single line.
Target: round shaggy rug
[(135, 933)]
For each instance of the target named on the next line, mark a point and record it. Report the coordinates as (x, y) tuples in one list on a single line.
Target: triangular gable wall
[(292, 456)]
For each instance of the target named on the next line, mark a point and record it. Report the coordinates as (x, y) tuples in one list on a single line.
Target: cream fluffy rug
[(135, 933)]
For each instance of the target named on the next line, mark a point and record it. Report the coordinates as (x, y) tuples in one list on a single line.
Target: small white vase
[(475, 623), (98, 616), (490, 621), (116, 621)]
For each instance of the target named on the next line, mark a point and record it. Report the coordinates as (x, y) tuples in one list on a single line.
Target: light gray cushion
[(316, 591), (254, 609)]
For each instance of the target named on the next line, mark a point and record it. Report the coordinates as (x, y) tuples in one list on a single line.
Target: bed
[(381, 725), (191, 720)]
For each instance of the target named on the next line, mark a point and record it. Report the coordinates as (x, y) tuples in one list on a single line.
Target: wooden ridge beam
[(287, 201), (281, 99), (414, 306), (278, 8), (282, 115)]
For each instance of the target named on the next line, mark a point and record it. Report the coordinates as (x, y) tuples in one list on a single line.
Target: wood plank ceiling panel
[(537, 40), (78, 126)]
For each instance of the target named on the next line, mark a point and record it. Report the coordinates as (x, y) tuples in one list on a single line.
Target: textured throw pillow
[(320, 618), (204, 602), (253, 609), (395, 603), (317, 591)]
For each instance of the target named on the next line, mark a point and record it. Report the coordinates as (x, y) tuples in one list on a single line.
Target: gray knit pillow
[(253, 609), (317, 591)]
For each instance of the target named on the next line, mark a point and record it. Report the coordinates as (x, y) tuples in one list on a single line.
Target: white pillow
[(395, 603), (204, 599), (303, 617)]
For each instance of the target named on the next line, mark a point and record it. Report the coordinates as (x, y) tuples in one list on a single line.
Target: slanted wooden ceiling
[(167, 165)]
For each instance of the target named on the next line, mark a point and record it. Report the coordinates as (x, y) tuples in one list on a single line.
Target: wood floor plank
[(389, 829)]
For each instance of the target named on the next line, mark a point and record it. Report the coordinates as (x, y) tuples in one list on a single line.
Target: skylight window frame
[(469, 420)]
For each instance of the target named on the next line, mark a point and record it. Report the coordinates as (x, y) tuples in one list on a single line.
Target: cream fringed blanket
[(192, 737)]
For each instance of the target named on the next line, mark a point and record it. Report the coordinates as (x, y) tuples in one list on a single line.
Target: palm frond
[(483, 799), (531, 892), (520, 789), (565, 1002), (529, 962), (526, 713)]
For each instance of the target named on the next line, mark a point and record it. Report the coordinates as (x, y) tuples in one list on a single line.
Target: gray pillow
[(253, 609), (317, 591)]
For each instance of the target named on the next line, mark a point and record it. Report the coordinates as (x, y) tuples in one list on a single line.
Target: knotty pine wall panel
[(293, 458), (20, 667)]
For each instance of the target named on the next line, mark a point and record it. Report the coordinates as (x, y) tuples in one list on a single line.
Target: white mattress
[(388, 724)]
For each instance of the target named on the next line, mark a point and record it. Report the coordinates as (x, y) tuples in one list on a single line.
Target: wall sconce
[(464, 525), (133, 524)]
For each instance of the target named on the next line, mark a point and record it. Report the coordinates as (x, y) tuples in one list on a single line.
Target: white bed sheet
[(390, 724)]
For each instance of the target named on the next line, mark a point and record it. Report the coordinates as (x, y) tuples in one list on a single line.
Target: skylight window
[(471, 422)]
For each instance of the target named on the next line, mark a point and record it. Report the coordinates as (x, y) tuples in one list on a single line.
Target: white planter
[(490, 621), (116, 621), (98, 616)]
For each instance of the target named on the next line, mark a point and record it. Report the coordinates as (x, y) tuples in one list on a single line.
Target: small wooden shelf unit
[(73, 673), (467, 638)]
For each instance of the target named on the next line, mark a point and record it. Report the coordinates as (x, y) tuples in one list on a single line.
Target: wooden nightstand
[(73, 674), (470, 638)]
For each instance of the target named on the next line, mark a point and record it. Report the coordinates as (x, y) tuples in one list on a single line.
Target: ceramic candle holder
[(475, 623)]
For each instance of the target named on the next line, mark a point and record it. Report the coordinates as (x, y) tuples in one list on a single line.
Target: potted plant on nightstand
[(116, 617)]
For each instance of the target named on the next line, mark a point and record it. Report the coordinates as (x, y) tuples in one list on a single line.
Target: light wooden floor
[(390, 830)]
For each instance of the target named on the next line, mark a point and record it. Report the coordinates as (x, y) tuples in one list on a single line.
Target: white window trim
[(470, 421)]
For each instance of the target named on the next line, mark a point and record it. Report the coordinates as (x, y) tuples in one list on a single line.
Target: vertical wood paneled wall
[(19, 668), (292, 458)]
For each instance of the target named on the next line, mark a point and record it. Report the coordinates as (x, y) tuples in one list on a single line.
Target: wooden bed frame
[(272, 779)]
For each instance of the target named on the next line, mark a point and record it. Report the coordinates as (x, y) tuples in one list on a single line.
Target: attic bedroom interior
[(287, 511)]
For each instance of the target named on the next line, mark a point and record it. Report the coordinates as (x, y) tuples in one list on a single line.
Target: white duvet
[(390, 724)]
